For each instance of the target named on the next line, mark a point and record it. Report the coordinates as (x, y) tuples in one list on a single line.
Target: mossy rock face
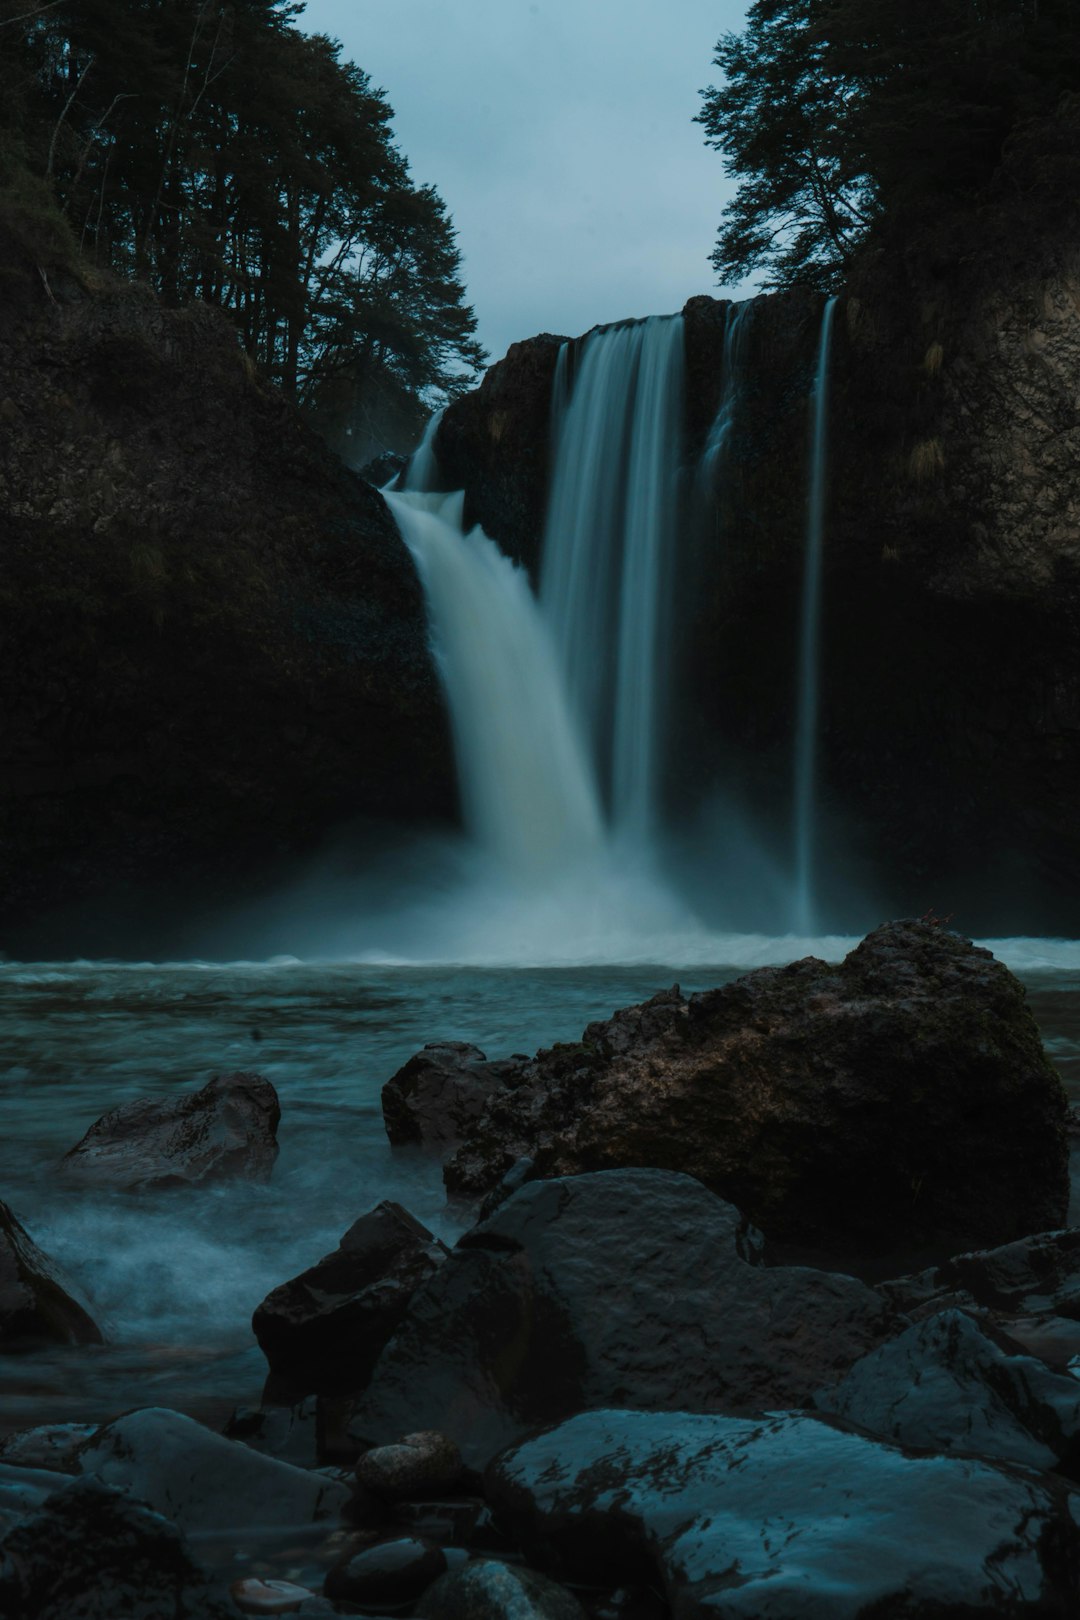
[(213, 643), (896, 1102)]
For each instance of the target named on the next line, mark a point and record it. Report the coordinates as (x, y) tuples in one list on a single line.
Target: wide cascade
[(608, 550)]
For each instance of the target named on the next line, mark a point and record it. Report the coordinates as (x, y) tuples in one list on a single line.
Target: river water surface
[(174, 1277)]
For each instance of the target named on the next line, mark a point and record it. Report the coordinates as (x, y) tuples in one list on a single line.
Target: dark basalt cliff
[(950, 708), (212, 641)]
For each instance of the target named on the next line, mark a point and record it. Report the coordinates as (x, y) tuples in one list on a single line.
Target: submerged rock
[(36, 1306), (92, 1553), (322, 1331), (225, 1131), (203, 1481), (944, 1385), (628, 1285), (901, 1098), (786, 1518)]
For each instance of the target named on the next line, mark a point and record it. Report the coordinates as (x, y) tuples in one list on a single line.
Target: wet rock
[(787, 1517), (226, 1131), (827, 1101), (37, 1305), (945, 1386), (52, 1446), (486, 1590), (625, 1285), (419, 1464), (203, 1481), (289, 1433), (92, 1553), (392, 1573), (1038, 1273), (436, 1099), (22, 1489), (323, 1330)]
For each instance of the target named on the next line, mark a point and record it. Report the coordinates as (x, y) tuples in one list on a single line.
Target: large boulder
[(626, 1286), (788, 1518), (90, 1553), (202, 1481), (898, 1099), (226, 1131), (945, 1385), (436, 1099), (322, 1331), (36, 1303)]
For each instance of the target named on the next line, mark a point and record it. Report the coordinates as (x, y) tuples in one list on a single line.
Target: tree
[(213, 149), (838, 115)]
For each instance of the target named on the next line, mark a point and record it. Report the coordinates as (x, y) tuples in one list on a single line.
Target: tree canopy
[(835, 116), (215, 150)]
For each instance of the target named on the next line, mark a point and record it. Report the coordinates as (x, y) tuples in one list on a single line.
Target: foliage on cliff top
[(848, 121), (215, 151)]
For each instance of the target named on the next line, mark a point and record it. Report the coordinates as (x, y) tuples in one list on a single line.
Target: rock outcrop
[(224, 1132), (899, 1099), (37, 1305), (438, 1097), (629, 1285), (213, 644)]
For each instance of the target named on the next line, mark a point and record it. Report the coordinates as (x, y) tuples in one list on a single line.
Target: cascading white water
[(736, 327), (608, 544), (806, 720), (527, 790)]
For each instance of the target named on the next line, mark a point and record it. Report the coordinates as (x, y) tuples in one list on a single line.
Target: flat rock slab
[(627, 1285), (226, 1131), (90, 1553), (828, 1101), (788, 1518), (322, 1331), (37, 1302), (203, 1481), (945, 1386)]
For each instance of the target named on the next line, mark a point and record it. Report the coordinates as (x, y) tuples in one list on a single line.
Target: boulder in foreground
[(226, 1131), (36, 1306), (627, 1286), (788, 1518), (322, 1332), (898, 1100)]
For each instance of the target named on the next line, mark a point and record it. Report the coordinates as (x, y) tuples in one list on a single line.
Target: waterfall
[(422, 472), (527, 789), (806, 722), (608, 545), (736, 326)]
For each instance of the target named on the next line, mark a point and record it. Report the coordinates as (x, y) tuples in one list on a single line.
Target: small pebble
[(268, 1596)]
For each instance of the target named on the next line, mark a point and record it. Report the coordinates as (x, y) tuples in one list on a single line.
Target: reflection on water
[(173, 1277)]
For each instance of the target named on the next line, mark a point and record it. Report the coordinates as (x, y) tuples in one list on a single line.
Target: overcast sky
[(560, 135)]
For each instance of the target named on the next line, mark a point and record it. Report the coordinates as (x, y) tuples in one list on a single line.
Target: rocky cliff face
[(212, 641), (950, 745)]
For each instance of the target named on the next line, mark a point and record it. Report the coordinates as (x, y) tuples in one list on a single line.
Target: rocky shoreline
[(615, 1397)]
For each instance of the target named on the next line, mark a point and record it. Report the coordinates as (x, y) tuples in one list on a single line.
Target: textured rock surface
[(944, 1386), (420, 1464), (322, 1331), (90, 1553), (633, 1285), (788, 1519), (201, 1480), (51, 1446), (486, 1590), (36, 1306), (213, 644), (225, 1131), (900, 1098), (437, 1098)]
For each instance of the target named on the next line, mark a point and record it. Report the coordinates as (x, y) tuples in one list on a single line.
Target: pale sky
[(560, 135)]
